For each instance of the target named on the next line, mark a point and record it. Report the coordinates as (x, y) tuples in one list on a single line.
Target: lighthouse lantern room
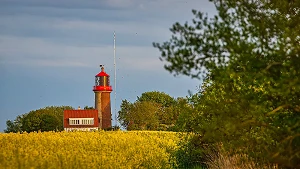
[(102, 81)]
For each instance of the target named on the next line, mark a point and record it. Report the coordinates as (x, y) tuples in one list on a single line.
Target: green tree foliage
[(50, 122), (88, 107), (143, 116), (123, 114), (151, 111), (158, 97), (249, 53), (14, 126), (45, 119)]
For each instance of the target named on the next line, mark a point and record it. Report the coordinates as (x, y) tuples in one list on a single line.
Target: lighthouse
[(102, 91)]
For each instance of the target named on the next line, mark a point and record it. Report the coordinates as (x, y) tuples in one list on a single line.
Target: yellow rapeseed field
[(115, 149)]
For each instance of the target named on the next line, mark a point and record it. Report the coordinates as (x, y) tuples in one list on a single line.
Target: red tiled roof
[(91, 113)]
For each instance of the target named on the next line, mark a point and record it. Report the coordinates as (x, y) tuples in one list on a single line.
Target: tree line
[(151, 111), (49, 118)]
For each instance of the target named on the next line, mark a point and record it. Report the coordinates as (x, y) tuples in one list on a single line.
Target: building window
[(72, 122), (81, 121)]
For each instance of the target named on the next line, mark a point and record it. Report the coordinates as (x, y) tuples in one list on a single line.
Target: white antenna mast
[(115, 81)]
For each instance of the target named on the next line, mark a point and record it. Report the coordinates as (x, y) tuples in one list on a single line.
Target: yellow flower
[(115, 149)]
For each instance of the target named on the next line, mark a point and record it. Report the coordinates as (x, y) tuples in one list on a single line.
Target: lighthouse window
[(103, 81), (97, 81)]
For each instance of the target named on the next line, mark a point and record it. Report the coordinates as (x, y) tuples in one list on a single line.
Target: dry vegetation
[(222, 160)]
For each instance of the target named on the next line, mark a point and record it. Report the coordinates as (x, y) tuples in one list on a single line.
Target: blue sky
[(51, 50)]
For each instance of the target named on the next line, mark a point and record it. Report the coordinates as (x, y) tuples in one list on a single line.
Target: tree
[(14, 126), (50, 122), (143, 116), (158, 97), (123, 117), (45, 119), (88, 107), (249, 53), (151, 111)]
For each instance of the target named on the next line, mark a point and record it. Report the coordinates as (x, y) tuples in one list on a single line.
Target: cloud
[(122, 27), (120, 4), (79, 33), (88, 4), (85, 20), (81, 30), (93, 4), (97, 9), (35, 52)]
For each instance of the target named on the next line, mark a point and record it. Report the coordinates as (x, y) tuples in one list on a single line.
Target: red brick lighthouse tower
[(102, 91)]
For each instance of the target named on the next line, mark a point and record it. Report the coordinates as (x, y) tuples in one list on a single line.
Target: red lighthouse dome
[(102, 81)]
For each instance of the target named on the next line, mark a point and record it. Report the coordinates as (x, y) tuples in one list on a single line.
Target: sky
[(50, 51)]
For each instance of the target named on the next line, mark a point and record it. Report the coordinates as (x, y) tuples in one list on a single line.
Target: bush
[(192, 152)]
